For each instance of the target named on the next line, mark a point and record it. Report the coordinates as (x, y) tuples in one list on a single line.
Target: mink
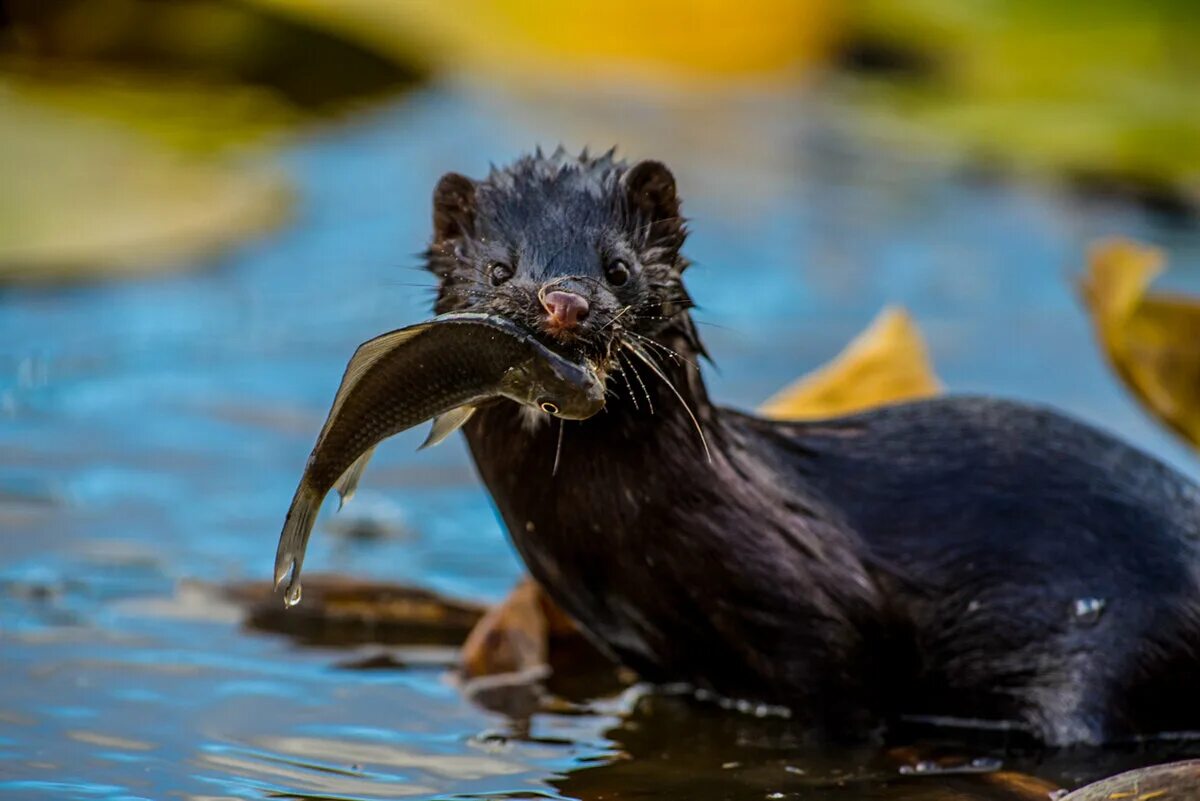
[(962, 558)]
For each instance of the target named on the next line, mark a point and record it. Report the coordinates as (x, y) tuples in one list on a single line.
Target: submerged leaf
[(1151, 339), (886, 363)]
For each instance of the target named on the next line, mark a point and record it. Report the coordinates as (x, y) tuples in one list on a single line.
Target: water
[(152, 434)]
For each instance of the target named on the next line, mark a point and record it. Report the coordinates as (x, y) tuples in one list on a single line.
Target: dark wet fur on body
[(961, 557)]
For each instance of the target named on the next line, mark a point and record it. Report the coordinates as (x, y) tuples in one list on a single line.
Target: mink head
[(580, 250)]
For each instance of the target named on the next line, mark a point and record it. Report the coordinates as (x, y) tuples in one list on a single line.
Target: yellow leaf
[(886, 363), (537, 40), (1151, 339)]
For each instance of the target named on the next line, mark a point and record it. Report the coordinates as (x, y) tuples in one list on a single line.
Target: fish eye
[(617, 272), (499, 272), (549, 407)]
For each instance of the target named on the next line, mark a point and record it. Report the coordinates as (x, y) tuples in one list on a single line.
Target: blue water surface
[(152, 431)]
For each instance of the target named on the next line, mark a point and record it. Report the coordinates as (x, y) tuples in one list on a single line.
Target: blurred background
[(205, 205)]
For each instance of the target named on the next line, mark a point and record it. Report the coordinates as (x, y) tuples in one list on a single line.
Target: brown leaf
[(513, 636), (343, 611), (1151, 339), (886, 363)]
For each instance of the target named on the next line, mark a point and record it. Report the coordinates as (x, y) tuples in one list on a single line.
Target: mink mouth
[(577, 344), (579, 347)]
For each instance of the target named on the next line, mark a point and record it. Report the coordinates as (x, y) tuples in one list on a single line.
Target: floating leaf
[(886, 363), (182, 114), (1151, 339), (341, 611), (83, 198)]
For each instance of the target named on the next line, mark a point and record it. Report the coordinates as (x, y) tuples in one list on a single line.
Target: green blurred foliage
[(223, 42), (86, 198), (1102, 92), (1108, 92), (128, 128)]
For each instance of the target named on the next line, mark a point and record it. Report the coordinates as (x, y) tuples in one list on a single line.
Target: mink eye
[(499, 272), (617, 272)]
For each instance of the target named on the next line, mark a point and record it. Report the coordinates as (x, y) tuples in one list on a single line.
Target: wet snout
[(564, 310)]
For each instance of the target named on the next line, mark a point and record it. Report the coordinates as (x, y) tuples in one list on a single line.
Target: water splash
[(291, 596)]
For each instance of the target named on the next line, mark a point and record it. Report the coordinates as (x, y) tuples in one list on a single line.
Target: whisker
[(562, 424), (649, 361), (390, 282), (618, 316), (638, 376), (628, 384), (674, 354)]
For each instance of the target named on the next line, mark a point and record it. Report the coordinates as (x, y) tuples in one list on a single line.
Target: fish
[(441, 369)]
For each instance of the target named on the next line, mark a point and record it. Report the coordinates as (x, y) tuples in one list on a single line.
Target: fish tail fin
[(297, 527)]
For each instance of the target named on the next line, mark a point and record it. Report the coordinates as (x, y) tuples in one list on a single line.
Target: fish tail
[(297, 527)]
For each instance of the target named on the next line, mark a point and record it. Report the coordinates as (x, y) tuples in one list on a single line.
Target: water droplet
[(292, 596), (1088, 610)]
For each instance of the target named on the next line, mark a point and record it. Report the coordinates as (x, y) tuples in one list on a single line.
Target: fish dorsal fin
[(348, 483), (446, 424), (367, 355)]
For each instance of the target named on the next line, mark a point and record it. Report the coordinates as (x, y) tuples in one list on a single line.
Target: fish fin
[(348, 483), (446, 424), (368, 354), (289, 556)]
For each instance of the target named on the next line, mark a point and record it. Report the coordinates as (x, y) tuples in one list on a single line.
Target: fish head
[(581, 250), (556, 386)]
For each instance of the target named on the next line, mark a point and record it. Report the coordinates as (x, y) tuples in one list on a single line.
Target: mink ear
[(651, 198), (453, 207)]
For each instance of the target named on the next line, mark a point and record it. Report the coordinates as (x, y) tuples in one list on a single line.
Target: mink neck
[(645, 426)]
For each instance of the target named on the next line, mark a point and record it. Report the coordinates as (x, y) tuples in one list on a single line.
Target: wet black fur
[(924, 559)]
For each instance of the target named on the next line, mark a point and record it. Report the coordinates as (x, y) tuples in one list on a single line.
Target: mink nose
[(566, 309)]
